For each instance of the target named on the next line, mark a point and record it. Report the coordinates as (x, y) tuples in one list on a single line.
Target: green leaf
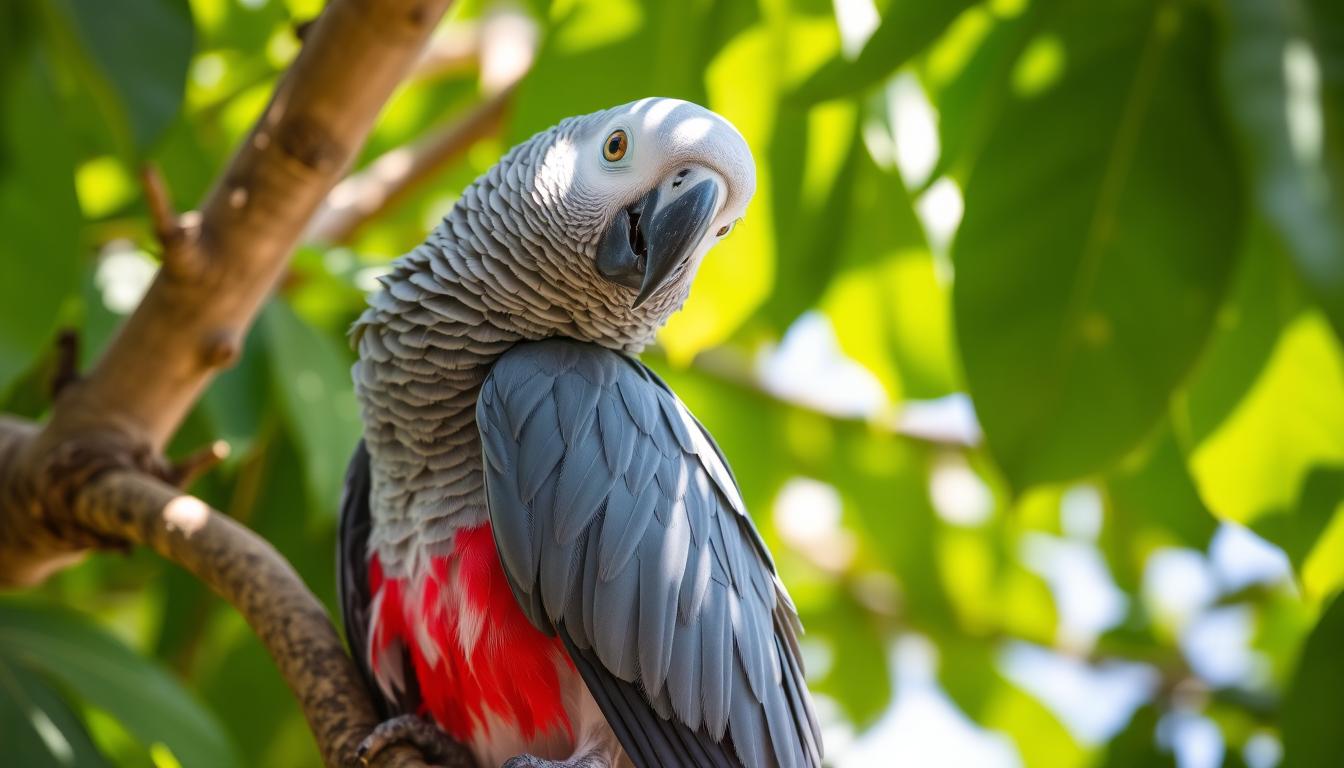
[(41, 249), (1310, 720), (37, 727), (621, 50), (1100, 223), (140, 51), (1302, 196), (1297, 530), (1137, 744), (1291, 421), (108, 675), (237, 399), (809, 229), (858, 677), (1153, 502), (1037, 733), (1263, 298), (311, 380), (890, 311), (884, 482), (970, 99), (907, 27)]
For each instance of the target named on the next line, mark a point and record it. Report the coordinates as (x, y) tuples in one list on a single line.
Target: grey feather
[(647, 567), (624, 528), (353, 588), (585, 483), (746, 723), (683, 690)]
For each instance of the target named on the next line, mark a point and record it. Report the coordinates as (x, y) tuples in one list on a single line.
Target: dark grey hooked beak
[(647, 240)]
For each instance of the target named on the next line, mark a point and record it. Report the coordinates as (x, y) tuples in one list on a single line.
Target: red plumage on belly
[(473, 651)]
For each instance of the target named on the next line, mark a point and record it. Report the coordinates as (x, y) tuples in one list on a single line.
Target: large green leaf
[(1311, 733), (906, 28), (139, 50), (1100, 228), (40, 249), (1301, 195), (37, 727), (108, 675), (310, 378)]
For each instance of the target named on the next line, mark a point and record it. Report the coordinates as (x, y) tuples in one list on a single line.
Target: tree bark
[(90, 477)]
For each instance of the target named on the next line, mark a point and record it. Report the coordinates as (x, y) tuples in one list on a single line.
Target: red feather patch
[(472, 648)]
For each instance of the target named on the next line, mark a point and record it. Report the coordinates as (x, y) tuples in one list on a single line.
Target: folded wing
[(621, 529)]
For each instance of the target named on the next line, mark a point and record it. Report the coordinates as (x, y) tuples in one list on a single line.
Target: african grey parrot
[(542, 551)]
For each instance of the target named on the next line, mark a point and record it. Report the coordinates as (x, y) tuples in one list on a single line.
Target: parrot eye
[(616, 145)]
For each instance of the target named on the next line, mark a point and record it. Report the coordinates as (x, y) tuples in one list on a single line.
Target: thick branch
[(195, 315), (246, 571)]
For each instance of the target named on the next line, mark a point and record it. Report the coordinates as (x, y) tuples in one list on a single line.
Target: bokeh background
[(1027, 354)]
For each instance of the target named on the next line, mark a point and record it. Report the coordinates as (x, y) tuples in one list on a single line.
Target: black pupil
[(614, 145)]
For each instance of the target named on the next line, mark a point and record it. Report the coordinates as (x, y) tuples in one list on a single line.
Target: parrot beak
[(651, 236)]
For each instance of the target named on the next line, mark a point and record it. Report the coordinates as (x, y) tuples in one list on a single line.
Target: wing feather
[(623, 531)]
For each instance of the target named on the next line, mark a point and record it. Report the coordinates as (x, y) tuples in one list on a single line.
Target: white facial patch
[(555, 179), (692, 130)]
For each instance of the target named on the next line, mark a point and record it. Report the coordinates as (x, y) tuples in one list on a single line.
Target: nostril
[(637, 244), (683, 173)]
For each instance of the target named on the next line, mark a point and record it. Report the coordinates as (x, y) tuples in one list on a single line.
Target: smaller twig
[(454, 50), (388, 179), (175, 232), (503, 45), (301, 28), (731, 367), (161, 211), (190, 469), (67, 361)]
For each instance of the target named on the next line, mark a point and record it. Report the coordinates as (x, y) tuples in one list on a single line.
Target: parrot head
[(642, 191)]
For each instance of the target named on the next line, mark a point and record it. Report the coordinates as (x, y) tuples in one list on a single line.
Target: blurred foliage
[(1144, 300)]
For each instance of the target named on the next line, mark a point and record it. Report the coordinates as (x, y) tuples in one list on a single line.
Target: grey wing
[(352, 585), (621, 529)]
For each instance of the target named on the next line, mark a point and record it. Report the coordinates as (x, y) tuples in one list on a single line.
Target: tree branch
[(91, 478), (389, 179), (247, 571), (733, 368)]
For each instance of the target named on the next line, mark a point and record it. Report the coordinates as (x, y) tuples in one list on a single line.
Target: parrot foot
[(433, 743)]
